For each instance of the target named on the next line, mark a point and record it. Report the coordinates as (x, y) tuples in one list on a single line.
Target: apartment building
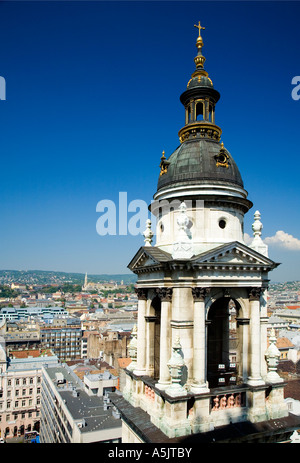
[(20, 393), (19, 313), (70, 415), (63, 337)]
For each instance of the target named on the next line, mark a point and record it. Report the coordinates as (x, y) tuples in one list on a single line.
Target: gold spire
[(199, 59)]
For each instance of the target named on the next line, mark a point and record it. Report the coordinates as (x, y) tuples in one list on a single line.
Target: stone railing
[(149, 393), (226, 401)]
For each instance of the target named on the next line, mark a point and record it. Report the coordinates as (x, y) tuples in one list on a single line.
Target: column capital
[(165, 294), (199, 294), (255, 293), (141, 293)]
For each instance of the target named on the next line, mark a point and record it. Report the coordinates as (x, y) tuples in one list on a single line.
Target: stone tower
[(202, 316)]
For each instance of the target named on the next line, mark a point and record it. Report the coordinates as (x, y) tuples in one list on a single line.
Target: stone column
[(182, 324), (243, 336), (264, 319), (199, 384), (150, 326), (141, 332), (255, 378), (165, 295)]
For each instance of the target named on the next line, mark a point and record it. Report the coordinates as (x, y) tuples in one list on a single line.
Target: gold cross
[(199, 27)]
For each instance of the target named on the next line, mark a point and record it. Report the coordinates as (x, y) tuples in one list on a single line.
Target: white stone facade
[(188, 282)]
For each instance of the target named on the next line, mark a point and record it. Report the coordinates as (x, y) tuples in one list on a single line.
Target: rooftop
[(81, 406), (31, 363)]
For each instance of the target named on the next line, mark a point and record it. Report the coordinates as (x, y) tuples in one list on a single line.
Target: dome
[(198, 162), (200, 81)]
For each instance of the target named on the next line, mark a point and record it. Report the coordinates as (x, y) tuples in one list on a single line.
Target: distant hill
[(51, 277), (47, 277)]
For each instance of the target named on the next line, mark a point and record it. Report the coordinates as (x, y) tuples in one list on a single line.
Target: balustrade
[(226, 401), (149, 393)]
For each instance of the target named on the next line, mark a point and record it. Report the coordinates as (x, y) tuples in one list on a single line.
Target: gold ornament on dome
[(164, 164), (222, 158)]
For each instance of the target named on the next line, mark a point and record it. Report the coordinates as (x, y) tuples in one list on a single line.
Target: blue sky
[(92, 99)]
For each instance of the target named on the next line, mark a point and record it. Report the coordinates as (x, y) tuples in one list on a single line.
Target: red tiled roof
[(283, 343), (124, 362), (23, 354)]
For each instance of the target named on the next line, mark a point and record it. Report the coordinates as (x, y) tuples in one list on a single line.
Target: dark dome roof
[(194, 163), (200, 81)]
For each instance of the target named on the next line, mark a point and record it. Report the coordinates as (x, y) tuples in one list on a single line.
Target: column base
[(162, 385), (255, 381), (200, 388)]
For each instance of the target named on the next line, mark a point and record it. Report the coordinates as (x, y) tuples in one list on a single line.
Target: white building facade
[(20, 394)]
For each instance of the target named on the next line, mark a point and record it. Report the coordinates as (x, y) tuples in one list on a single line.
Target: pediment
[(147, 257), (230, 256), (236, 254)]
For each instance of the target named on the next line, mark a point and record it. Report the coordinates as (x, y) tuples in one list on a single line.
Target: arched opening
[(211, 116), (222, 342), (156, 306), (200, 111)]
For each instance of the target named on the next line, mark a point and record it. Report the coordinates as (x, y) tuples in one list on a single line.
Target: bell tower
[(201, 350)]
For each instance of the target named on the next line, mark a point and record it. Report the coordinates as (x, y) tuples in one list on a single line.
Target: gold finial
[(199, 27), (199, 60)]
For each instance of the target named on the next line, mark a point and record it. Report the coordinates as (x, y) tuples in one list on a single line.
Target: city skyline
[(92, 100)]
